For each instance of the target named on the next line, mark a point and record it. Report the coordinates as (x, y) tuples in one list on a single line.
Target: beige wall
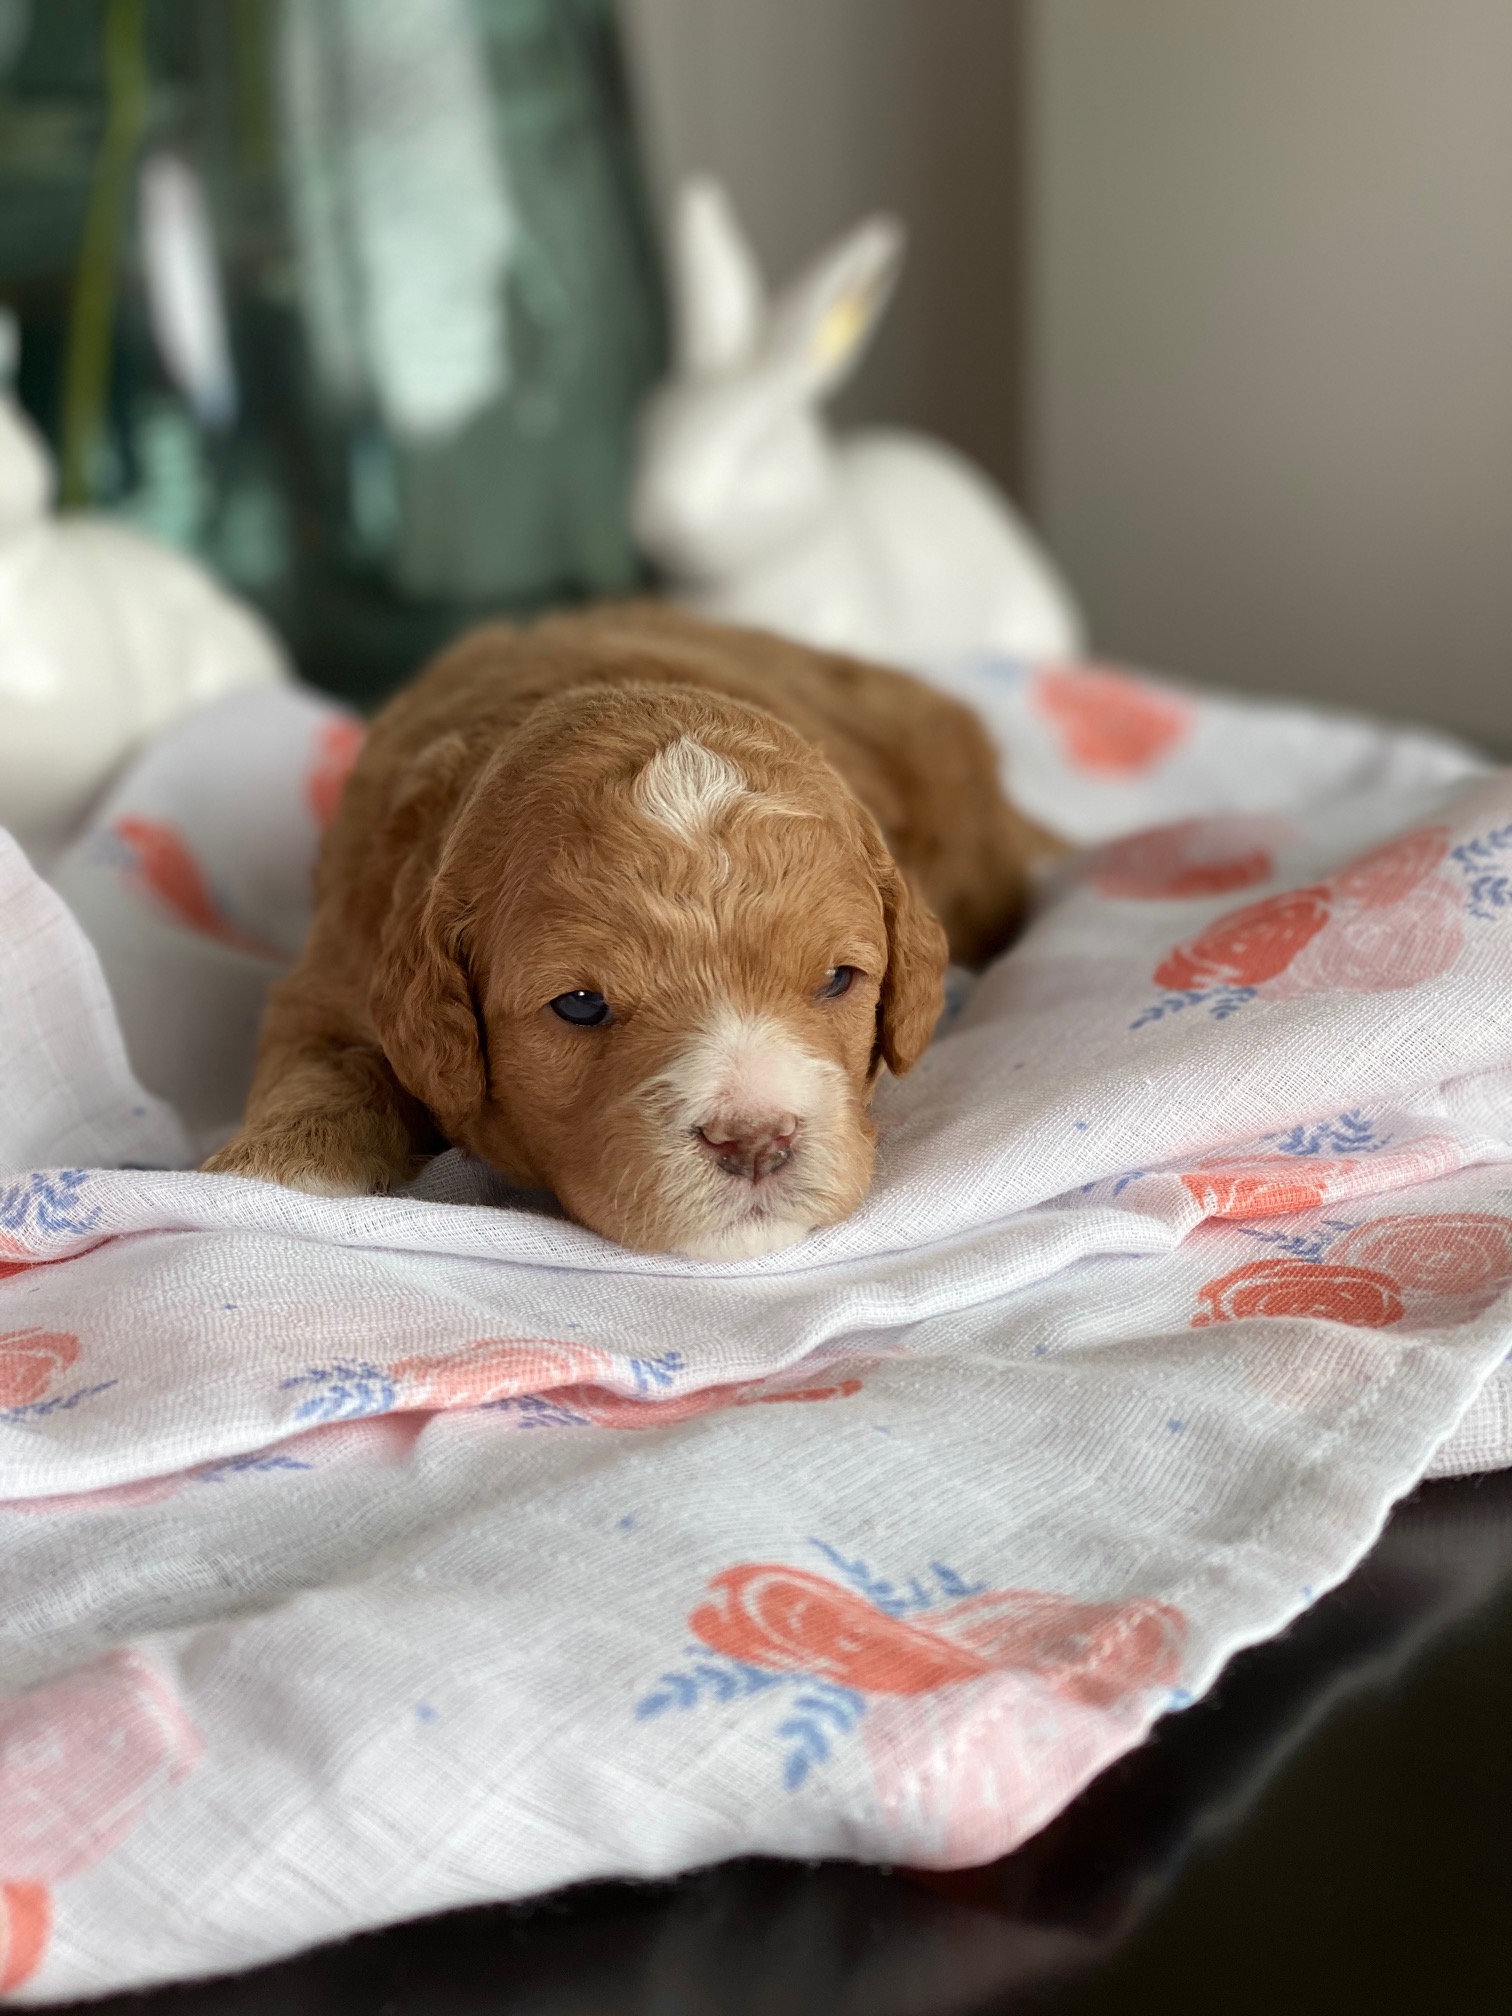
[(1271, 340), (1224, 287)]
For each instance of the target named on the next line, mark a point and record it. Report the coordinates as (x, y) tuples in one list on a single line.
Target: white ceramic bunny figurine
[(884, 543), (105, 638)]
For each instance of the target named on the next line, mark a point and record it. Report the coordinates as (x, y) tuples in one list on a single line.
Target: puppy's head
[(657, 969)]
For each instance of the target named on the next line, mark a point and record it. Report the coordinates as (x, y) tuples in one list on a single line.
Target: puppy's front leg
[(325, 1113)]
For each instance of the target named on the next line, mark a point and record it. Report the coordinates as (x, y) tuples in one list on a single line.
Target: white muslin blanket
[(362, 1559)]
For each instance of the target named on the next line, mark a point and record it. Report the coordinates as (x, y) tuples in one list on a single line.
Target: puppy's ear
[(421, 999), (913, 987), (422, 1007)]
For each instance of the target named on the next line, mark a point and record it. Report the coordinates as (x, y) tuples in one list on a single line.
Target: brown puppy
[(634, 908)]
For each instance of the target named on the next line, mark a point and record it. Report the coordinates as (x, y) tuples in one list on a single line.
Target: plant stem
[(92, 312)]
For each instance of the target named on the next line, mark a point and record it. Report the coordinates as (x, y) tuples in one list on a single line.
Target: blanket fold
[(362, 1558)]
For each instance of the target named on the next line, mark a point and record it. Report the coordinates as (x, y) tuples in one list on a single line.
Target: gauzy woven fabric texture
[(365, 1558)]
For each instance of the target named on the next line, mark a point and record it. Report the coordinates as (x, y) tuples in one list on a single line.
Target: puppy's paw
[(300, 1159)]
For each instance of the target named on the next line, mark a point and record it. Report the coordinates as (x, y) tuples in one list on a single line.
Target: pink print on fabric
[(965, 1773), (788, 1620), (25, 1924), (1431, 1268), (10, 1266), (1110, 724), (81, 1759), (601, 1407), (109, 1498), (1361, 1296), (481, 1374), (1261, 1187), (337, 747), (160, 863), (1386, 874), (543, 1383), (33, 1381), (1247, 947), (1374, 948), (1195, 857), (1451, 1266), (497, 1368), (30, 1361), (1385, 921), (963, 1776), (1275, 1185), (980, 1710)]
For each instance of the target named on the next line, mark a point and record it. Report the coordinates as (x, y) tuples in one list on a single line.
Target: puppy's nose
[(752, 1148)]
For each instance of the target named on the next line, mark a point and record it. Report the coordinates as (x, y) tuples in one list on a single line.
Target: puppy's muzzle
[(747, 1146)]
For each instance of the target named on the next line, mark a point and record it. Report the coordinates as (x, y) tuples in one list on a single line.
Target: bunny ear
[(718, 295), (823, 319)]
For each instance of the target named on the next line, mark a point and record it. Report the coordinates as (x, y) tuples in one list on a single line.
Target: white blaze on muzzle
[(749, 1067), (743, 1069)]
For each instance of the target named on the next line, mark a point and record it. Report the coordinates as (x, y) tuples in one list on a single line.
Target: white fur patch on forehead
[(685, 787)]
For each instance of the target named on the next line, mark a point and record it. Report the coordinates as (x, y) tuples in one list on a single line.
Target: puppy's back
[(920, 762)]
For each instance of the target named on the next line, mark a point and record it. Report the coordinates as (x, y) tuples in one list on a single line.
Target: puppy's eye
[(836, 983), (582, 1007)]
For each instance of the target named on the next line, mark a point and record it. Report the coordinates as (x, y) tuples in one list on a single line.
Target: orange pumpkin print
[(1359, 1296), (1246, 947), (1109, 723)]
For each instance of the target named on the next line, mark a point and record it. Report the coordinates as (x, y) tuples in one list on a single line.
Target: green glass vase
[(353, 299)]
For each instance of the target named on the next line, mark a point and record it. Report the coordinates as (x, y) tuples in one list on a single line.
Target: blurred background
[(1220, 294)]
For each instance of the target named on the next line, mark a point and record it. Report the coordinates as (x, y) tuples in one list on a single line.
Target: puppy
[(635, 908)]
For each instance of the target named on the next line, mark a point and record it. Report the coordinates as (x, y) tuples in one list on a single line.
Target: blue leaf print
[(654, 1375), (1351, 1133), (1485, 864), (347, 1391), (50, 1203)]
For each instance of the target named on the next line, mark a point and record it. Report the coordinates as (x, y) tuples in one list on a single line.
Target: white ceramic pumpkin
[(106, 637)]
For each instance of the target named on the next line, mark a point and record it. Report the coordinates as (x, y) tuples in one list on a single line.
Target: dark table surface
[(1331, 1830)]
